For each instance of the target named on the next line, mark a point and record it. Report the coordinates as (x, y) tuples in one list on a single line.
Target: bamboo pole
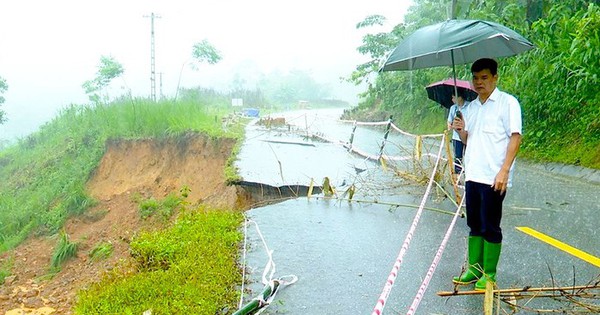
[(451, 166), (488, 300), (385, 203), (522, 290), (260, 301)]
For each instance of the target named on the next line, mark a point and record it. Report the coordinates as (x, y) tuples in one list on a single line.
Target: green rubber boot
[(474, 269), (491, 255)]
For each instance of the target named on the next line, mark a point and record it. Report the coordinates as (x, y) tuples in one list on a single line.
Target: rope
[(394, 273), (413, 135), (383, 123), (434, 263), (272, 286), (362, 123), (243, 263)]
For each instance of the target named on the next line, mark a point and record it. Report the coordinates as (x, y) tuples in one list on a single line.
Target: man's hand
[(501, 181), (458, 124)]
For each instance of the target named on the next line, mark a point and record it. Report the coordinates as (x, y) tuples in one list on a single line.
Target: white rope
[(268, 272), (394, 273), (243, 263), (435, 135), (364, 123)]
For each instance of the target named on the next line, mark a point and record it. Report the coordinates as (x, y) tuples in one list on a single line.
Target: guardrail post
[(385, 136), (352, 137)]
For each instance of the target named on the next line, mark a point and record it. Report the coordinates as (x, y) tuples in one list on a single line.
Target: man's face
[(484, 82)]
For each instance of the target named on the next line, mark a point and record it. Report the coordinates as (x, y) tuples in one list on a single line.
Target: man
[(492, 131), (460, 105)]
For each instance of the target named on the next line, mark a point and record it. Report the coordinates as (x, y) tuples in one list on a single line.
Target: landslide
[(128, 171)]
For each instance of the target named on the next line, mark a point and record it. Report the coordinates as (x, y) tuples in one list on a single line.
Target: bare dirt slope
[(142, 167)]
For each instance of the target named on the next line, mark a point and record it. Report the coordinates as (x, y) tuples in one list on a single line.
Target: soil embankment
[(144, 168)]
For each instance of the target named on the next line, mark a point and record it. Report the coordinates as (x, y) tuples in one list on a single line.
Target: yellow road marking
[(560, 245)]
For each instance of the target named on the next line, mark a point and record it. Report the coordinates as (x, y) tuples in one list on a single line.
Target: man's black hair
[(485, 63)]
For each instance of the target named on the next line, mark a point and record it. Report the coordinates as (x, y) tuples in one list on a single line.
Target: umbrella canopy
[(442, 91), (455, 42)]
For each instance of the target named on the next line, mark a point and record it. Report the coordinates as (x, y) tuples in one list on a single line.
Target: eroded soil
[(132, 168)]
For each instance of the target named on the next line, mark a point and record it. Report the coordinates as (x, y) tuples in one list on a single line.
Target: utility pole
[(160, 84), (152, 57)]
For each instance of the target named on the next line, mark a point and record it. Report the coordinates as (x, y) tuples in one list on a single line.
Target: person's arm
[(501, 180)]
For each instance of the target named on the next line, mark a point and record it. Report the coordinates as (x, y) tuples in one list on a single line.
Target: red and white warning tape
[(434, 263), (394, 273)]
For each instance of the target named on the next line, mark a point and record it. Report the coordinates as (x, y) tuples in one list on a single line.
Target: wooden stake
[(488, 301), (450, 155), (525, 289)]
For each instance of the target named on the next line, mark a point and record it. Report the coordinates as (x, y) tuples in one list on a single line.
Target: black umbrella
[(442, 91)]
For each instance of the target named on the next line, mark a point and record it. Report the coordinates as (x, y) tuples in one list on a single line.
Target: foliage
[(165, 208), (44, 174), (108, 69), (189, 268), (252, 98), (286, 89), (64, 250), (6, 268), (204, 51), (3, 88), (102, 250), (556, 82)]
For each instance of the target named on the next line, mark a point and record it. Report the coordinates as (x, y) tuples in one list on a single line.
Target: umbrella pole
[(454, 75)]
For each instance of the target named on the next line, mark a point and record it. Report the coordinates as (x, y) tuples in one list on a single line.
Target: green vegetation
[(556, 83), (6, 267), (101, 251), (64, 250), (3, 88), (108, 69), (44, 175), (164, 208), (188, 268)]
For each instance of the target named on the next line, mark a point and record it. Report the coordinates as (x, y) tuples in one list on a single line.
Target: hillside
[(129, 170)]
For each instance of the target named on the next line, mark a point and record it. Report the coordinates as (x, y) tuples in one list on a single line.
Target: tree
[(202, 52), (3, 88), (206, 52), (108, 69)]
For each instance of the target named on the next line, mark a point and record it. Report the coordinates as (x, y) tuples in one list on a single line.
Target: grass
[(101, 251), (44, 174), (64, 250), (6, 267), (164, 208), (564, 151), (188, 268)]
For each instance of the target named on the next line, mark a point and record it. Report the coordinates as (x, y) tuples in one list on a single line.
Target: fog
[(49, 48)]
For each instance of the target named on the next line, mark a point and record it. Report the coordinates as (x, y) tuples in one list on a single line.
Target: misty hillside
[(44, 174)]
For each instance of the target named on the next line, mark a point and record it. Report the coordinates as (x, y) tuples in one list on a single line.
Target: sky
[(48, 49)]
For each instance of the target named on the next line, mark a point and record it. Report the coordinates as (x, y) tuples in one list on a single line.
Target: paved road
[(342, 253)]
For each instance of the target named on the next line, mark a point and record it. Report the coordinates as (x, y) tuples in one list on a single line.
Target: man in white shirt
[(492, 130)]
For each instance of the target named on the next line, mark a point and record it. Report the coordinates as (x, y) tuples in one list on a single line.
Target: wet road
[(342, 253)]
